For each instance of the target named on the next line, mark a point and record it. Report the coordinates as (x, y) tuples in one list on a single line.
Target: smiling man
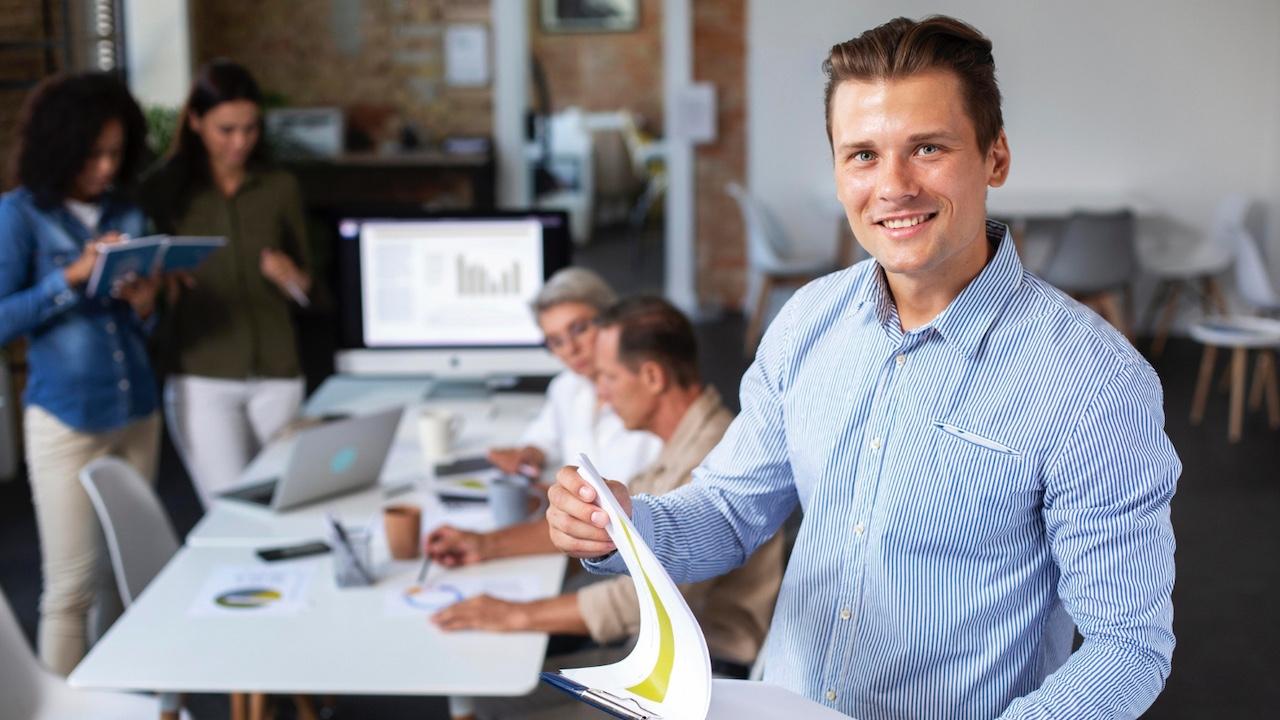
[(981, 461)]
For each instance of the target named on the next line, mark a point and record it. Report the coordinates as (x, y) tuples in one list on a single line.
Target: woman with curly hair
[(91, 391), (233, 373)]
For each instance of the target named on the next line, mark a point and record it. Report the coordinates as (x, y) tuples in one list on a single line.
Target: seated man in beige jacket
[(648, 372)]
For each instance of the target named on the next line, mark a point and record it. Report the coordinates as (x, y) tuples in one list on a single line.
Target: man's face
[(911, 176), (630, 392)]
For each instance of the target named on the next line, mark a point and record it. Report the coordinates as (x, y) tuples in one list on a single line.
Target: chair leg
[(1259, 381), (1239, 364), (1213, 291), (1167, 313), (239, 706), (755, 327), (1202, 384), (306, 709), (1272, 391), (1112, 312), (259, 709)]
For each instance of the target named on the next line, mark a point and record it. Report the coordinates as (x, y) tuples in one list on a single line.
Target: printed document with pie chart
[(668, 673)]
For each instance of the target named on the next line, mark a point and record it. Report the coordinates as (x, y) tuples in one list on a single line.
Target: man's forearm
[(526, 538), (556, 615)]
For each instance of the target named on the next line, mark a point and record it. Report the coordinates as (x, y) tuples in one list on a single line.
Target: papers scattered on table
[(253, 591), (446, 587)]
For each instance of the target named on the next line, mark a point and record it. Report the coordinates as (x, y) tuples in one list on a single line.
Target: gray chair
[(140, 540), (1093, 261), (31, 692)]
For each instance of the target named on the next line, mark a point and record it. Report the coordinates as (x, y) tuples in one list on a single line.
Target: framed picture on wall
[(590, 15)]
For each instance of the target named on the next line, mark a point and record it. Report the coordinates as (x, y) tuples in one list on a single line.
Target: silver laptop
[(333, 459)]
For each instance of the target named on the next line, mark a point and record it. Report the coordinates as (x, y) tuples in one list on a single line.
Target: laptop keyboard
[(260, 493)]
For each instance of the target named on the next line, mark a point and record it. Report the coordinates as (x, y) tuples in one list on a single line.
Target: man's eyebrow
[(933, 135)]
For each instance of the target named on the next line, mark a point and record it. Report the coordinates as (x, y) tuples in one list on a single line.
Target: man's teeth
[(905, 222)]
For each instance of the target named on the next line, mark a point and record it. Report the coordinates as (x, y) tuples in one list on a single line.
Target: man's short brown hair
[(903, 47), (652, 329)]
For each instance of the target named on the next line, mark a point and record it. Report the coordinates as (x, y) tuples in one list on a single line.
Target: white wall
[(1173, 101), (158, 47)]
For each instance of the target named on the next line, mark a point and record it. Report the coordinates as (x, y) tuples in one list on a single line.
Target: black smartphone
[(293, 552), (463, 465)]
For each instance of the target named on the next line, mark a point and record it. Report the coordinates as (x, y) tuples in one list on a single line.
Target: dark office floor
[(1226, 514)]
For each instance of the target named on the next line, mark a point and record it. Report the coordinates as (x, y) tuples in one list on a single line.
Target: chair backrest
[(139, 537), (767, 244), (22, 679), (1093, 253), (1252, 280)]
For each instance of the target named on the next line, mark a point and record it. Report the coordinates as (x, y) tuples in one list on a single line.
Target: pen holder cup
[(352, 560)]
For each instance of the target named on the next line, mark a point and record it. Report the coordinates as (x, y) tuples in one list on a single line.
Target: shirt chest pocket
[(977, 485)]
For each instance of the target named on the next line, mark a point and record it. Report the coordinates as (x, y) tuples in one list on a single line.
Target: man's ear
[(999, 158), (653, 377)]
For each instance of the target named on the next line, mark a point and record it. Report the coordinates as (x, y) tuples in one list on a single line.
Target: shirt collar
[(966, 321)]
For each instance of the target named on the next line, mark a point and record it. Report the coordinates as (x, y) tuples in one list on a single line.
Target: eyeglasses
[(576, 329)]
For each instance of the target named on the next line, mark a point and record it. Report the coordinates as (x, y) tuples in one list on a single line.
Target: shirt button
[(845, 613), (124, 384), (901, 360), (859, 529), (876, 443), (831, 695), (111, 327), (118, 356)]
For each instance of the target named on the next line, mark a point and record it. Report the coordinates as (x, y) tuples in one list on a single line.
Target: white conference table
[(343, 641)]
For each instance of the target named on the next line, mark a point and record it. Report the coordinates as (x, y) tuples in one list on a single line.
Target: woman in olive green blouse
[(227, 340)]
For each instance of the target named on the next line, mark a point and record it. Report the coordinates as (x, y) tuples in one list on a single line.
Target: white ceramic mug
[(437, 432)]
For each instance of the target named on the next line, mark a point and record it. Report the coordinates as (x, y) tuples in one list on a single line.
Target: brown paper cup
[(403, 524)]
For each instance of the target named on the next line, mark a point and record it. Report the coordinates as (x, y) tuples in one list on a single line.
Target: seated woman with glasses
[(573, 420)]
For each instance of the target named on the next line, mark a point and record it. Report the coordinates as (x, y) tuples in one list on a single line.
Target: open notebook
[(667, 676)]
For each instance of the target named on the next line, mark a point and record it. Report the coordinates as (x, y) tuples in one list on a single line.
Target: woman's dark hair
[(59, 125), (217, 81)]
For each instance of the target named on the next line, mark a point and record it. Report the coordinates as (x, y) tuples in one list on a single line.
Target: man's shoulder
[(1066, 332)]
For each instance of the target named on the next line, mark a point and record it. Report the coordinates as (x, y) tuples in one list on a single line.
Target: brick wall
[(719, 57), (20, 20), (605, 71), (386, 56)]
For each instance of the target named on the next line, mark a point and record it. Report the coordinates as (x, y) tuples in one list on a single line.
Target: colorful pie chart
[(248, 598)]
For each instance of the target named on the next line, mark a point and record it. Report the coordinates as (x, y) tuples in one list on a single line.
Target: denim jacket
[(87, 357)]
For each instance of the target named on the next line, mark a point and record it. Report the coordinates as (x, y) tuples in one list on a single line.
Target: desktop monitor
[(446, 293)]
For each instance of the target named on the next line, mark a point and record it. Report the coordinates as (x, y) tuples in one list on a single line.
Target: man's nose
[(896, 181)]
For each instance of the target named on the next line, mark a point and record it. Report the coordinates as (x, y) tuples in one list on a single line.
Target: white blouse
[(573, 421)]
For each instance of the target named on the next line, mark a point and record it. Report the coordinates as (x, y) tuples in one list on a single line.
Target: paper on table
[(253, 591), (446, 587)]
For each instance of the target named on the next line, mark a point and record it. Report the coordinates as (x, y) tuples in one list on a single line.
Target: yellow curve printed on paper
[(655, 686)]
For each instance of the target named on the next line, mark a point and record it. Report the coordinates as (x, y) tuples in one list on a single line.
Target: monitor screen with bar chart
[(448, 282)]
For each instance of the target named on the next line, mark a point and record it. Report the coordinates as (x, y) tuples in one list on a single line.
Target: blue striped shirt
[(971, 489)]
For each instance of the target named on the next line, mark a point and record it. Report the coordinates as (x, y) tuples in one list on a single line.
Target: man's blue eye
[(863, 156), (929, 149)]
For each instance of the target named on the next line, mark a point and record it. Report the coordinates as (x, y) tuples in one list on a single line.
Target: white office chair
[(1194, 269), (31, 692), (1241, 333), (773, 261)]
